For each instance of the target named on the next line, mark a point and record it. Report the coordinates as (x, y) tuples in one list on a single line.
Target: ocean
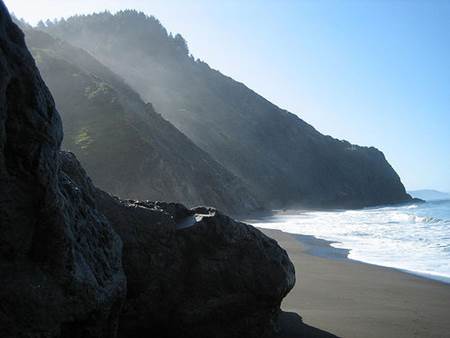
[(414, 238)]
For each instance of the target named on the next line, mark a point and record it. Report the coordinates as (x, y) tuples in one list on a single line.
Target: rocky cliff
[(283, 160), (60, 260), (182, 272)]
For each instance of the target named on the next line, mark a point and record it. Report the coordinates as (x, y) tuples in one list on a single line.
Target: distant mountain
[(126, 147), (284, 161), (430, 195)]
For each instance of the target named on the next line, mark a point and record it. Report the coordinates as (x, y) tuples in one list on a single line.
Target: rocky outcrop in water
[(60, 260)]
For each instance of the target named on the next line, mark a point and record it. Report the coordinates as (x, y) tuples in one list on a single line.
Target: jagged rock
[(196, 272), (60, 260)]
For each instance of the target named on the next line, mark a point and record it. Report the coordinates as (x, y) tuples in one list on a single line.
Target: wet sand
[(346, 298)]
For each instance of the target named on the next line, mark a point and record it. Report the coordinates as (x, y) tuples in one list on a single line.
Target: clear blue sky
[(372, 72)]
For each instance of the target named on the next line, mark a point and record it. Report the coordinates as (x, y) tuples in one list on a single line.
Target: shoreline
[(349, 298), (322, 248), (334, 245)]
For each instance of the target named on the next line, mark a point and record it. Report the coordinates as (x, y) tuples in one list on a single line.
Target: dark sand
[(338, 296)]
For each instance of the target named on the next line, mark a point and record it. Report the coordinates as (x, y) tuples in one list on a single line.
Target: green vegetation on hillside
[(283, 160), (126, 147)]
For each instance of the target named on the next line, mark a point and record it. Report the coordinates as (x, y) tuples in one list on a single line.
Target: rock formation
[(60, 260), (190, 272), (196, 273)]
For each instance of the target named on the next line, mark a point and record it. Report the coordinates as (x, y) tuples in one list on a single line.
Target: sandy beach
[(346, 298)]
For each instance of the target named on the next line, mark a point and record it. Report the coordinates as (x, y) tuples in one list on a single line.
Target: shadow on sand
[(292, 326)]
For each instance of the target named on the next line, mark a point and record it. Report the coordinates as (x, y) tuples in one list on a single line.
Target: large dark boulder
[(196, 272), (60, 260)]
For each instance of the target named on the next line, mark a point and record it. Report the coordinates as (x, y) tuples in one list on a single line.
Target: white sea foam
[(415, 238)]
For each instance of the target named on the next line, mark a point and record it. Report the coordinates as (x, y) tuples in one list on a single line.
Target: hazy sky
[(372, 72)]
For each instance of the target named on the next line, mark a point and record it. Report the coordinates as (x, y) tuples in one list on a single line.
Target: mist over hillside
[(126, 147), (283, 160)]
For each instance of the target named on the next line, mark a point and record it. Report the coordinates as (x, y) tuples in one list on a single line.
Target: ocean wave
[(413, 206), (409, 238), (408, 218)]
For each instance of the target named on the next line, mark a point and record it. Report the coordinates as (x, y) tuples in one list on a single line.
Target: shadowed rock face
[(60, 260), (195, 272)]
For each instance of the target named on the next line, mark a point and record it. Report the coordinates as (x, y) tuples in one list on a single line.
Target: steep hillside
[(126, 147), (284, 160)]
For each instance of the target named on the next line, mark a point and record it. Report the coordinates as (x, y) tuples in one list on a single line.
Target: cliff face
[(60, 260), (284, 161), (189, 272), (126, 147)]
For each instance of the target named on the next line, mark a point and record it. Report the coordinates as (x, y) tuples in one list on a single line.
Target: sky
[(375, 73)]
